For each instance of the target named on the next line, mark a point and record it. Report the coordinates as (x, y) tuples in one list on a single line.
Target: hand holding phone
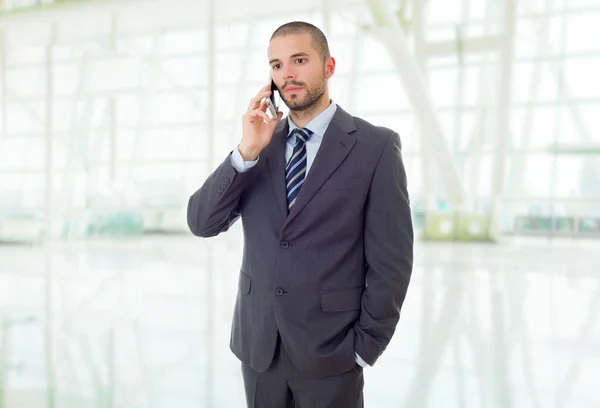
[(257, 127)]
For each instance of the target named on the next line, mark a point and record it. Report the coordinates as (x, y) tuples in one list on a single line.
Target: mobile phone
[(271, 101)]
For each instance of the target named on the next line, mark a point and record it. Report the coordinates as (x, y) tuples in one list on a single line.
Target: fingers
[(263, 106), (257, 108), (275, 121), (255, 101), (256, 113)]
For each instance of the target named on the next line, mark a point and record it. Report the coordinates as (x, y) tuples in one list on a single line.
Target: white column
[(48, 324), (210, 247), (48, 224), (112, 111), (4, 84), (326, 17), (504, 105), (48, 136), (3, 359)]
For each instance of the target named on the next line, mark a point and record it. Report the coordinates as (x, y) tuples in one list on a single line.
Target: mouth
[(291, 89)]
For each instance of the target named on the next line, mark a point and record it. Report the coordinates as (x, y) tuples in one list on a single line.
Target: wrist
[(248, 154)]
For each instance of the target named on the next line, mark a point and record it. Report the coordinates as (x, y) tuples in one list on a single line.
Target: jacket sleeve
[(215, 206), (388, 240)]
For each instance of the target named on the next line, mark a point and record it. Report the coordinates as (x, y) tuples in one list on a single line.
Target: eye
[(276, 66), (300, 60)]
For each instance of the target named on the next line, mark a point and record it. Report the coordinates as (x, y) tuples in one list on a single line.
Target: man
[(328, 235)]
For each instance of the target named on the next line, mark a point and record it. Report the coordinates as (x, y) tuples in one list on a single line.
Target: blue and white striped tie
[(295, 170)]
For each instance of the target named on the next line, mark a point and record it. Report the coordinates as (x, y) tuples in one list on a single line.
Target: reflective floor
[(144, 323)]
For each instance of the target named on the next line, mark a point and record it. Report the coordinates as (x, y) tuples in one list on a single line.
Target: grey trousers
[(283, 386)]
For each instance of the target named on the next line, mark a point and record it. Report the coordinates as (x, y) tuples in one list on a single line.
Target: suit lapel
[(337, 143), (275, 155)]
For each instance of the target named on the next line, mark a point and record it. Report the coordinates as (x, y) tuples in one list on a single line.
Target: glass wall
[(122, 103)]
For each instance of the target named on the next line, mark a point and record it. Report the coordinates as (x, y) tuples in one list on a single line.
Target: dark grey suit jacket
[(330, 276)]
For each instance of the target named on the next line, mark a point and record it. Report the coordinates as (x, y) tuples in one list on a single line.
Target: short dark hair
[(319, 41)]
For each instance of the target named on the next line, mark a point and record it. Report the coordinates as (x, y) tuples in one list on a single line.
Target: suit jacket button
[(279, 292), (285, 244)]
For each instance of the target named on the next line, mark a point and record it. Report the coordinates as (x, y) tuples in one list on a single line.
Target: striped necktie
[(295, 170)]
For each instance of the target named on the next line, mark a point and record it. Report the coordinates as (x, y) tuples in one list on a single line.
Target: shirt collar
[(319, 124)]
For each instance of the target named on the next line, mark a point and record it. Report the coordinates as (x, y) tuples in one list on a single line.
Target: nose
[(287, 73)]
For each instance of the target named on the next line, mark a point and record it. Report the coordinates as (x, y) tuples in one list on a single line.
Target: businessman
[(328, 246)]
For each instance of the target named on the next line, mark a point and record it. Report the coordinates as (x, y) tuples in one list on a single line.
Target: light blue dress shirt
[(318, 126)]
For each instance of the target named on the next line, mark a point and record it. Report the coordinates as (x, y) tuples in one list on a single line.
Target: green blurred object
[(589, 225), (457, 226), (577, 149), (118, 224), (545, 225), (564, 224)]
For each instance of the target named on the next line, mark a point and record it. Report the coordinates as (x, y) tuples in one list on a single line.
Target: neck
[(303, 117)]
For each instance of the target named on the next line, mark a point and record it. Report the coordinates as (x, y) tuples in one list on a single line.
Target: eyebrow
[(298, 54)]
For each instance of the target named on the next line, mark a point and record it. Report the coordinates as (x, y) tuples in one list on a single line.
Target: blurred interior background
[(113, 112)]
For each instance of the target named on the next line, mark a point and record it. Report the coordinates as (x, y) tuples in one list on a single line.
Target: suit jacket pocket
[(244, 283), (342, 300)]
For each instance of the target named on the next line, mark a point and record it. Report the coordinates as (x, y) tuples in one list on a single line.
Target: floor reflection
[(146, 323)]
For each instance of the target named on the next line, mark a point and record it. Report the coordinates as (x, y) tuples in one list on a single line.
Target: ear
[(329, 67)]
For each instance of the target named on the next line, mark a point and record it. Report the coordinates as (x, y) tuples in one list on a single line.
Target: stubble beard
[(302, 107)]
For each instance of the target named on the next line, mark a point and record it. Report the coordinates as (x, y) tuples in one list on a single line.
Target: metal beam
[(468, 46), (391, 34), (426, 159)]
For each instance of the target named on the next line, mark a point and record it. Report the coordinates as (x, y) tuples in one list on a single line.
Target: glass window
[(581, 77), (580, 32)]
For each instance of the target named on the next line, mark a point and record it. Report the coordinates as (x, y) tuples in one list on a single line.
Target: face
[(298, 71)]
